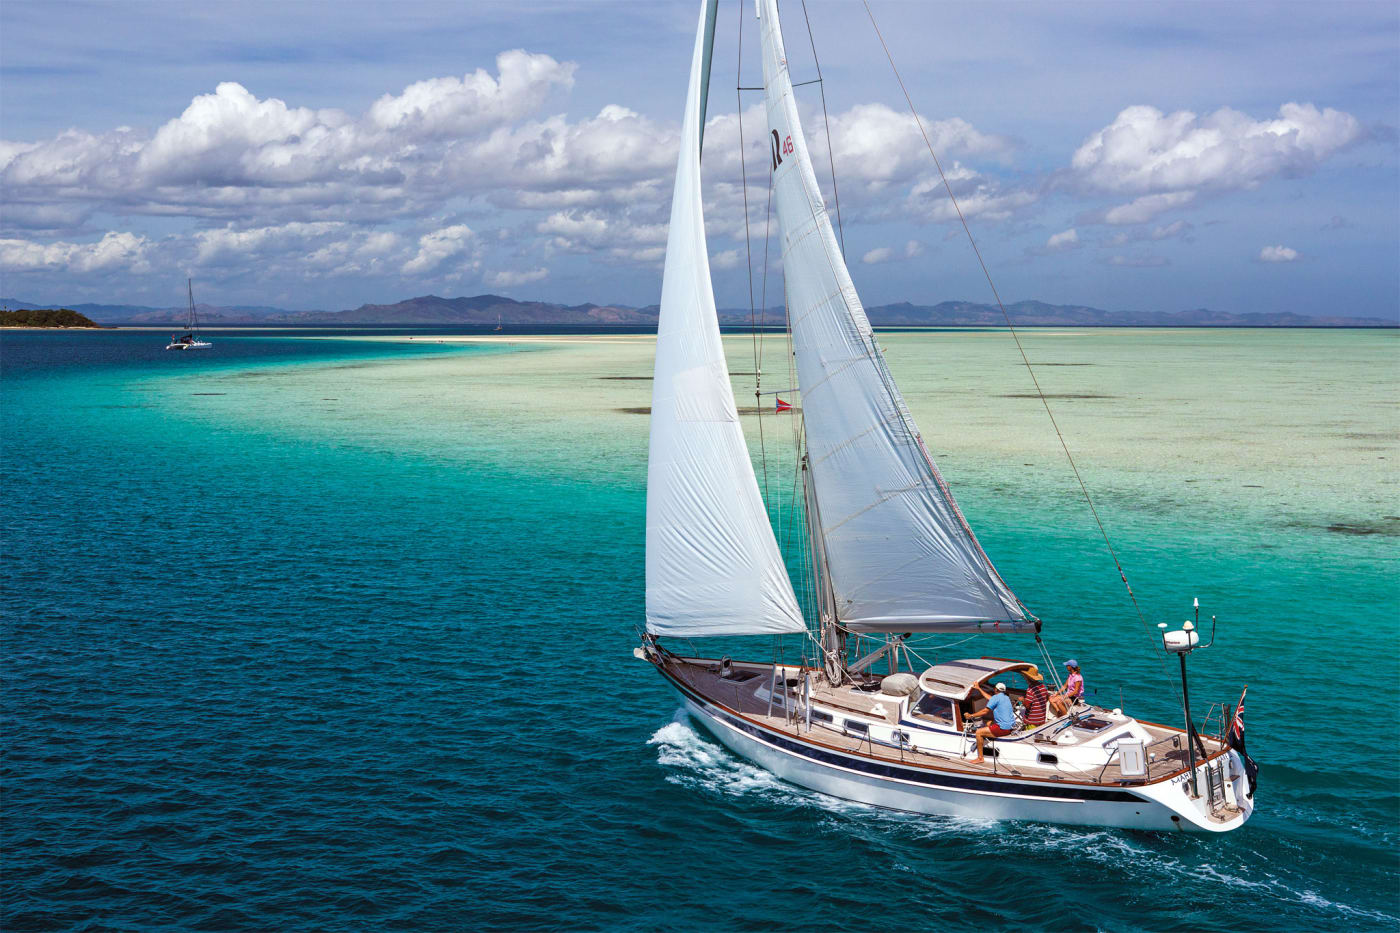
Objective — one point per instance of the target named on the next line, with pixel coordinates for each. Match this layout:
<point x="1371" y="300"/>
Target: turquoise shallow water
<point x="334" y="634"/>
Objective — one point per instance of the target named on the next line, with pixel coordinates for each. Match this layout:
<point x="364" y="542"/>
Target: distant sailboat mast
<point x="190" y="322"/>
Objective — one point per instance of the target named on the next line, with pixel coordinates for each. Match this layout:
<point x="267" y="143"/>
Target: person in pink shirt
<point x="1073" y="692"/>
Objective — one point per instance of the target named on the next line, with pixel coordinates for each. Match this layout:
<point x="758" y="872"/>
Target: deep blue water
<point x="261" y="674"/>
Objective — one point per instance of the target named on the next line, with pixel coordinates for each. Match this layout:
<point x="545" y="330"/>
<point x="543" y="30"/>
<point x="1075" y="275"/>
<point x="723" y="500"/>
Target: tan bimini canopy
<point x="954" y="680"/>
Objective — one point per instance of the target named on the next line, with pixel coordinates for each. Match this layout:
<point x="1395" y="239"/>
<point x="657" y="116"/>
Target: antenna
<point x="1181" y="643"/>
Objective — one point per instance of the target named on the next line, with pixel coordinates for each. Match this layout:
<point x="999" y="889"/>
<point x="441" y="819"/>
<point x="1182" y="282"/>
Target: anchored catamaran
<point x="190" y="339"/>
<point x="890" y="555"/>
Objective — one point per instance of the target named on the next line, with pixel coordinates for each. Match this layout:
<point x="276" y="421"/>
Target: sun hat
<point x="1033" y="673"/>
<point x="1071" y="663"/>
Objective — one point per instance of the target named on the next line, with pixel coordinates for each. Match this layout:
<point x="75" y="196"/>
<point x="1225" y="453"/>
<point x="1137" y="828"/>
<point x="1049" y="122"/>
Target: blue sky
<point x="1240" y="157"/>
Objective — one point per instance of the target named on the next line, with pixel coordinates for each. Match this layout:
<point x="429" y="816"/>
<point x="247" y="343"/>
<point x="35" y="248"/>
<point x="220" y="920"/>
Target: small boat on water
<point x="889" y="558"/>
<point x="190" y="339"/>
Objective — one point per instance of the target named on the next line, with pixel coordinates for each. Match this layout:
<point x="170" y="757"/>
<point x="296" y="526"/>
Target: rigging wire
<point x="786" y="529"/>
<point x="1122" y="575"/>
<point x="826" y="123"/>
<point x="748" y="252"/>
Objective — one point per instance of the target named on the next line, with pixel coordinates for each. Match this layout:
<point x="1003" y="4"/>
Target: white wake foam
<point x="697" y="762"/>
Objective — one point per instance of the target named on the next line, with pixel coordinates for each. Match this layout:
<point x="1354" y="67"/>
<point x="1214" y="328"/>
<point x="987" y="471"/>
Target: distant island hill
<point x="486" y="310"/>
<point x="45" y="317"/>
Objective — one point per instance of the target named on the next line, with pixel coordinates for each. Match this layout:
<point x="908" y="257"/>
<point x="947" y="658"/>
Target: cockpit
<point x="950" y="694"/>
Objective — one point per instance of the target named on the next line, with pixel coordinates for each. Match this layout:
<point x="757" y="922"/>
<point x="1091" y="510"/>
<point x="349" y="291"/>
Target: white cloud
<point x="320" y="182"/>
<point x="434" y="248"/>
<point x="881" y="254"/>
<point x="1278" y="254"/>
<point x="1143" y="209"/>
<point x="977" y="196"/>
<point x="1064" y="240"/>
<point x="621" y="237"/>
<point x="361" y="253"/>
<point x="441" y="107"/>
<point x="727" y="259"/>
<point x="1173" y="229"/>
<point x="231" y="151"/>
<point x="10" y="150"/>
<point x="873" y="143"/>
<point x="231" y="137"/>
<point x="229" y="243"/>
<point x="509" y="279"/>
<point x="1176" y="229"/>
<point x="115" y="251"/>
<point x="1139" y="261"/>
<point x="1168" y="159"/>
<point x="1144" y="150"/>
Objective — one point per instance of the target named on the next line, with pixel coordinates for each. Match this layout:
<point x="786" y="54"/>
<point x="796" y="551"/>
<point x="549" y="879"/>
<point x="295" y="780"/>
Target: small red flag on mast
<point x="782" y="405"/>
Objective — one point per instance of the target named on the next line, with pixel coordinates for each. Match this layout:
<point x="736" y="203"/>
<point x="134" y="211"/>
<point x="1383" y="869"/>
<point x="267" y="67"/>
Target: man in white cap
<point x="1002" y="719"/>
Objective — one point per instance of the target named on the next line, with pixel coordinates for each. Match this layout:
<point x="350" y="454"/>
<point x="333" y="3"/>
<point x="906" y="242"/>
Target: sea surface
<point x="332" y="631"/>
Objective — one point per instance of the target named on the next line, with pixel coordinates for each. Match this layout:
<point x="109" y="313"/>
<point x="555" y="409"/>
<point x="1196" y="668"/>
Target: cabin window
<point x="935" y="708"/>
<point x="819" y="716"/>
<point x="860" y="727"/>
<point x="1046" y="758"/>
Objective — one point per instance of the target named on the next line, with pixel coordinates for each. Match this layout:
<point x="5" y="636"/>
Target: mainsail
<point x="899" y="554"/>
<point x="713" y="566"/>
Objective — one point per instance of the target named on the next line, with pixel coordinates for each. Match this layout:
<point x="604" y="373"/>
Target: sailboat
<point x="190" y="339"/>
<point x="890" y="556"/>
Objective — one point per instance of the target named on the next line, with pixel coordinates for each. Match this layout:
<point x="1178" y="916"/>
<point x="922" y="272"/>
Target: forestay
<point x="899" y="554"/>
<point x="713" y="566"/>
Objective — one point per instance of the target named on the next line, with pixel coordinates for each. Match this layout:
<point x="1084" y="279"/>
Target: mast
<point x="832" y="637"/>
<point x="189" y="323"/>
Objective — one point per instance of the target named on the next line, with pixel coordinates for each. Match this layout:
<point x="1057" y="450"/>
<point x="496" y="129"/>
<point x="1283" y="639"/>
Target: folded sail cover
<point x="899" y="554"/>
<point x="713" y="566"/>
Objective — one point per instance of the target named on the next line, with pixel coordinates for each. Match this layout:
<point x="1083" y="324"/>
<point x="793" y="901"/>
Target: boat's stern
<point x="1221" y="800"/>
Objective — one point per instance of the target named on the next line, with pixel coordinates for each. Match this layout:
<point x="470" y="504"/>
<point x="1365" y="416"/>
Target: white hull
<point x="199" y="345"/>
<point x="1163" y="806"/>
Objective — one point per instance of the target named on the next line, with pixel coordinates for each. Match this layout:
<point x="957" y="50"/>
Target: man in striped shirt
<point x="1036" y="697"/>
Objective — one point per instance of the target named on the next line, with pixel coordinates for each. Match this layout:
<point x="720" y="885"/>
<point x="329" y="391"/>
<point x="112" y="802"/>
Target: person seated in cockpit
<point x="1063" y="701"/>
<point x="1036" y="697"/>
<point x="1002" y="718"/>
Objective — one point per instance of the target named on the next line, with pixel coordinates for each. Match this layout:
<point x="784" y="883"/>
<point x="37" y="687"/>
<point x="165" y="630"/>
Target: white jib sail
<point x="713" y="566"/>
<point x="899" y="554"/>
